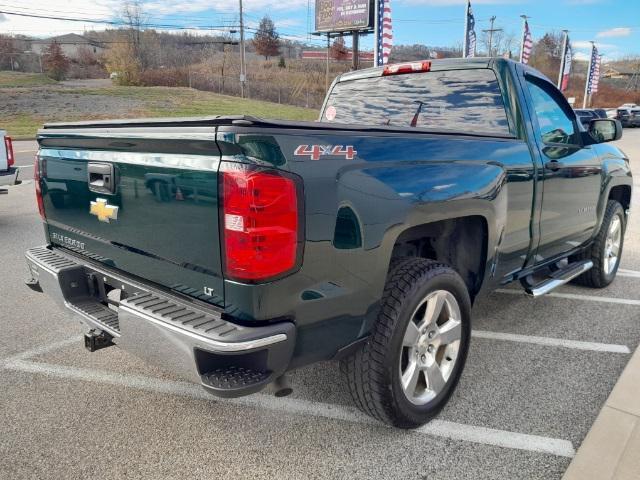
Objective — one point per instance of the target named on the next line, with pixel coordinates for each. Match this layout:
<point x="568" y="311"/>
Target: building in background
<point x="72" y="45"/>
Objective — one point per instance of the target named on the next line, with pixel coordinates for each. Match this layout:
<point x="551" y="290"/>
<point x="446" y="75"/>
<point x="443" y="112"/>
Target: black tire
<point x="597" y="277"/>
<point x="372" y="373"/>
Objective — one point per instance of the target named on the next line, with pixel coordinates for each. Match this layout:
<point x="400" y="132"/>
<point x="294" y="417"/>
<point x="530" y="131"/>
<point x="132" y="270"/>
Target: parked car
<point x="8" y="172"/>
<point x="586" y="115"/>
<point x="611" y="112"/>
<point x="364" y="237"/>
<point x="625" y="117"/>
<point x="600" y="112"/>
<point x="635" y="116"/>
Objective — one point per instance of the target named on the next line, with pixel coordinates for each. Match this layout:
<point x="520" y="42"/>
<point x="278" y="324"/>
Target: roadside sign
<point x="343" y="15"/>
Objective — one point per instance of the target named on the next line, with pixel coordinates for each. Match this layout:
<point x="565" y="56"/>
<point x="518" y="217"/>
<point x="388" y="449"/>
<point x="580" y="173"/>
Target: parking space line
<point x="622" y="272"/>
<point x="40" y="350"/>
<point x="440" y="428"/>
<point x="573" y="296"/>
<point x="552" y="342"/>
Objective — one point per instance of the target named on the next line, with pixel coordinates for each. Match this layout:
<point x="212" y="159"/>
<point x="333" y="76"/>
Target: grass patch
<point x="186" y="102"/>
<point x="19" y="79"/>
<point x="149" y="102"/>
<point x="21" y="127"/>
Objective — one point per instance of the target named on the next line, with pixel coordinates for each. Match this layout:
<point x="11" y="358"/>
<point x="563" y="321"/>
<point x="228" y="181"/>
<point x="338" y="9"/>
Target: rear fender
<point x="416" y="194"/>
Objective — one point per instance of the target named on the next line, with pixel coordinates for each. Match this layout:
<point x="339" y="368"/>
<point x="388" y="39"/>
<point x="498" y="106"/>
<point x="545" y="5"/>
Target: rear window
<point x="468" y="101"/>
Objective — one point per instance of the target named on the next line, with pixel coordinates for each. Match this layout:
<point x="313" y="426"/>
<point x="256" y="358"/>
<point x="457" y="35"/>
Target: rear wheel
<point x="606" y="250"/>
<point x="407" y="371"/>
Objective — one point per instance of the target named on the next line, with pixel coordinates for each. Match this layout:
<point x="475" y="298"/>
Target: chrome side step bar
<point x="557" y="278"/>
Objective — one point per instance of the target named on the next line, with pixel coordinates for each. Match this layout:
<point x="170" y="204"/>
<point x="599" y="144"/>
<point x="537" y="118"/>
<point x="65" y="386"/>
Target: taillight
<point x="8" y="143"/>
<point x="36" y="180"/>
<point x="400" y="68"/>
<point x="260" y="222"/>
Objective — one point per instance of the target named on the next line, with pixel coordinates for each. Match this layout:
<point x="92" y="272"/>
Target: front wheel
<point x="606" y="250"/>
<point x="407" y="371"/>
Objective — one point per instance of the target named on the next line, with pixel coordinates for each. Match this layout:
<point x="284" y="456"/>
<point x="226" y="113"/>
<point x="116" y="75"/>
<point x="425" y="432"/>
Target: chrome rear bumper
<point x="181" y="336"/>
<point x="9" y="177"/>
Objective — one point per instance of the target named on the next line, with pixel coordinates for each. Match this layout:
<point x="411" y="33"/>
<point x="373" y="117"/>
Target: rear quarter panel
<point x="395" y="181"/>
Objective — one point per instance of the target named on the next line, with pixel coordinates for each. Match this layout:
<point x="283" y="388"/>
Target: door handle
<point x="101" y="178"/>
<point x="554" y="165"/>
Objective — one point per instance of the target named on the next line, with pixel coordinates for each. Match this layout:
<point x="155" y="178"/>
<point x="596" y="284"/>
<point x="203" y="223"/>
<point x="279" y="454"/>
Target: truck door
<point x="571" y="171"/>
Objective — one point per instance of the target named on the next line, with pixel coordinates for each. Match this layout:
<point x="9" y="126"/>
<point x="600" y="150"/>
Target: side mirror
<point x="605" y="130"/>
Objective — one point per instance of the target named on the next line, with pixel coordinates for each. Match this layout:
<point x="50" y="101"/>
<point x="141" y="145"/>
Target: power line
<point x="120" y="22"/>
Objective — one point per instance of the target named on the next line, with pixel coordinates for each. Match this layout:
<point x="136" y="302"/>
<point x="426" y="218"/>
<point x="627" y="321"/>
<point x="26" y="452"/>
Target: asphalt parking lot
<point x="536" y="378"/>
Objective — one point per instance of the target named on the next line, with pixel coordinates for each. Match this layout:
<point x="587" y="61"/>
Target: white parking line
<point x="552" y="342"/>
<point x="41" y="350"/>
<point x="628" y="273"/>
<point x="573" y="296"/>
<point x="440" y="428"/>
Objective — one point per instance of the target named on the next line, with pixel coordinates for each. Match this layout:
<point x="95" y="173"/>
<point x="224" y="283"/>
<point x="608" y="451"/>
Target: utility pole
<point x="356" y="51"/>
<point x="490" y="32"/>
<point x="328" y="51"/>
<point x="243" y="66"/>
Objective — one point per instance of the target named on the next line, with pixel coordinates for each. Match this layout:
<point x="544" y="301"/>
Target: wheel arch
<point x="460" y="242"/>
<point x="621" y="194"/>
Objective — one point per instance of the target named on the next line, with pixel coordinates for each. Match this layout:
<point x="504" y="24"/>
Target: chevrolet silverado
<point x="234" y="249"/>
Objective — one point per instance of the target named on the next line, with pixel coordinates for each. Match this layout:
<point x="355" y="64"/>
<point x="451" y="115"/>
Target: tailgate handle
<point x="101" y="178"/>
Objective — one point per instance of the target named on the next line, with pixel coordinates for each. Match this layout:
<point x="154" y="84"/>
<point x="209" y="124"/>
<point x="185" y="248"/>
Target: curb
<point x="611" y="449"/>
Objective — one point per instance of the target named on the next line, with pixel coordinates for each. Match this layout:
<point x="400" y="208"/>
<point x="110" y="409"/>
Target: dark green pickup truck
<point x="234" y="249"/>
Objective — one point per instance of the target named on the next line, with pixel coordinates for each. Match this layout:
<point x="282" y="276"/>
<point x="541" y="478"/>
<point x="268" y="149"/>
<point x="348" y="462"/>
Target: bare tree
<point x="501" y="42"/>
<point x="7" y="50"/>
<point x="338" y="50"/>
<point x="547" y="53"/>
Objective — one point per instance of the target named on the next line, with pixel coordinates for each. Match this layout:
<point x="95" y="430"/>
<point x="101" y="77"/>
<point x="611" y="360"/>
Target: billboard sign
<point x="343" y="15"/>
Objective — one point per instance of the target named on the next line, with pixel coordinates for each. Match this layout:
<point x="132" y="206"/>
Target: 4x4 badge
<point x="105" y="212"/>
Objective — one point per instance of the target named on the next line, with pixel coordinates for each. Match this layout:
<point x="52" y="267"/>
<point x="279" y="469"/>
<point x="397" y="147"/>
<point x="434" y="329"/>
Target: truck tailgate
<point x="141" y="200"/>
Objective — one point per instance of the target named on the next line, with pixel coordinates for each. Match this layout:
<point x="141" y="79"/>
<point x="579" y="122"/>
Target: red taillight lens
<point x="36" y="180"/>
<point x="401" y="68"/>
<point x="260" y="222"/>
<point x="8" y="143"/>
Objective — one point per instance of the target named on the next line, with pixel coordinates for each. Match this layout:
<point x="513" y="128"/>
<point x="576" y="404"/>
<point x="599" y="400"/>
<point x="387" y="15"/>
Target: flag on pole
<point x="566" y="66"/>
<point x="594" y="71"/>
<point x="469" y="49"/>
<point x="384" y="33"/>
<point x="527" y="44"/>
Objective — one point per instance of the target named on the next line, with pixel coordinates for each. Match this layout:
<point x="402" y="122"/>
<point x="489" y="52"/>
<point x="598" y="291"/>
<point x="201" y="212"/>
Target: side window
<point x="554" y="124"/>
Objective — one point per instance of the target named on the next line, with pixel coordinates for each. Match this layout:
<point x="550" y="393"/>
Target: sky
<point x="613" y="24"/>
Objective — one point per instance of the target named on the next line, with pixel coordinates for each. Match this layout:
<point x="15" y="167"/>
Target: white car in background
<point x="8" y="173"/>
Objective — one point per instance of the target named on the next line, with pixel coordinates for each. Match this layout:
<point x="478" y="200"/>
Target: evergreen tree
<point x="55" y="62"/>
<point x="266" y="40"/>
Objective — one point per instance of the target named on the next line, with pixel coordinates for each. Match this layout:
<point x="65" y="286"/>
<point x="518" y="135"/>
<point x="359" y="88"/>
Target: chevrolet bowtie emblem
<point x="105" y="212"/>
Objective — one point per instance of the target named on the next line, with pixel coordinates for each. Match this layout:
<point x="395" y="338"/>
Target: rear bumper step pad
<point x="194" y="342"/>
